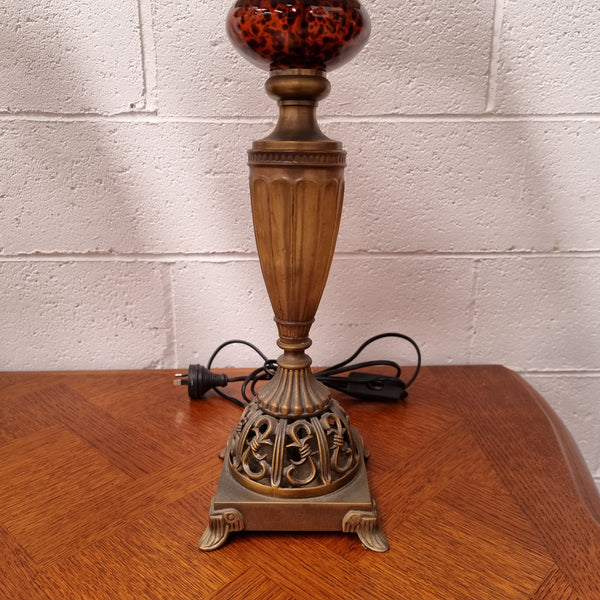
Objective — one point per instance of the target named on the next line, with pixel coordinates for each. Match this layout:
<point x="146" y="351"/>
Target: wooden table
<point x="106" y="480"/>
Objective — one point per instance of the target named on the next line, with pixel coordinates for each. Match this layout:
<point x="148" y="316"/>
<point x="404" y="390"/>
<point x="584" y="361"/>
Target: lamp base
<point x="349" y="509"/>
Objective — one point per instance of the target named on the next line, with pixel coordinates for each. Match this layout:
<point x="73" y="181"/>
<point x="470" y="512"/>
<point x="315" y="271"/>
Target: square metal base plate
<point x="349" y="509"/>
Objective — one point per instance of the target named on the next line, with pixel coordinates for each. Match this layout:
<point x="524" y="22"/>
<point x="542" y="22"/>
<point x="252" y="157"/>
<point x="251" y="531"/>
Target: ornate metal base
<point x="348" y="509"/>
<point x="293" y="462"/>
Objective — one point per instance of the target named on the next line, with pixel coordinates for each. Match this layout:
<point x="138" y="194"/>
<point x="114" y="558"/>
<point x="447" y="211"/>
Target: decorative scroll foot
<point x="220" y="524"/>
<point x="366" y="526"/>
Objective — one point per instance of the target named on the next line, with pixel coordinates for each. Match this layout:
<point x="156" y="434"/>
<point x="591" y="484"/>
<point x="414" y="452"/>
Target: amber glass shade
<point x="298" y="34"/>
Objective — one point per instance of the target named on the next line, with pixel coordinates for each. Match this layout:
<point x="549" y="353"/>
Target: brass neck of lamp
<point x="298" y="92"/>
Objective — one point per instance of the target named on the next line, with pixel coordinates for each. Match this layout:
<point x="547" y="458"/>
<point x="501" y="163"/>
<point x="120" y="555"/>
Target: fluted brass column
<point x="297" y="189"/>
<point x="294" y="462"/>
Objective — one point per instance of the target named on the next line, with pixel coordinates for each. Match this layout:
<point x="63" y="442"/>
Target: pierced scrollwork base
<point x="220" y="524"/>
<point x="366" y="526"/>
<point x="294" y="457"/>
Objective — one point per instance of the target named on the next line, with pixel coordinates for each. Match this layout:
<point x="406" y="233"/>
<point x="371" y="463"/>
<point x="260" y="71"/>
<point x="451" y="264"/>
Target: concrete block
<point x="428" y="299"/>
<point x="70" y="57"/>
<point x="429" y="57"/>
<point x="124" y="187"/>
<point x="548" y="60"/>
<point x="575" y="399"/>
<point x="219" y="301"/>
<point x="538" y="313"/>
<point x="470" y="186"/>
<point x="182" y="187"/>
<point x="82" y="315"/>
<point x="198" y="71"/>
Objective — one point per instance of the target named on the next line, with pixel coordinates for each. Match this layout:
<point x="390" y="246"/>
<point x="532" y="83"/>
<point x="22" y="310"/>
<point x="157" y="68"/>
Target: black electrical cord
<point x="343" y="368"/>
<point x="269" y="367"/>
<point x="358" y="384"/>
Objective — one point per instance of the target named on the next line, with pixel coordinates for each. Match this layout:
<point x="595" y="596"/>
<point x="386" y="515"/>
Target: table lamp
<point x="294" y="462"/>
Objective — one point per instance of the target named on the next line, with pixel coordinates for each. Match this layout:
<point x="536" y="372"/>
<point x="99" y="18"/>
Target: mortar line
<point x="148" y="55"/>
<point x="586" y="373"/>
<point x="463" y="118"/>
<point x="494" y="60"/>
<point x="150" y="117"/>
<point x="137" y="116"/>
<point x="220" y="257"/>
<point x="474" y="306"/>
<point x="169" y="357"/>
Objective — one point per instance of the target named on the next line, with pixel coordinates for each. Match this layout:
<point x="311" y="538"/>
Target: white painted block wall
<point x="472" y="218"/>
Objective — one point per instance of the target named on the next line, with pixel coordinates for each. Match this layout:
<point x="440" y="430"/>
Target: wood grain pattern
<point x="106" y="480"/>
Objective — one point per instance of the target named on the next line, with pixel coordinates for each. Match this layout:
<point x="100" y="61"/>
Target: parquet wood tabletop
<point x="106" y="480"/>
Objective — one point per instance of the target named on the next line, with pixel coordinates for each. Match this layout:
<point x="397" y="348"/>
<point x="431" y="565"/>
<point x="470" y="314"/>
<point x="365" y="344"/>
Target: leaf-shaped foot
<point x="220" y="524"/>
<point x="366" y="526"/>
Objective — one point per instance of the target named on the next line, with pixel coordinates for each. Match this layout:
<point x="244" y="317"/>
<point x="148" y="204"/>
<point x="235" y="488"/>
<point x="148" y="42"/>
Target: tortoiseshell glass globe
<point x="298" y="34"/>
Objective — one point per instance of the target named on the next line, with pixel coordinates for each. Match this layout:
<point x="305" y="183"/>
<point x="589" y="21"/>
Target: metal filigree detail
<point x="220" y="524"/>
<point x="294" y="158"/>
<point x="366" y="526"/>
<point x="293" y="457"/>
